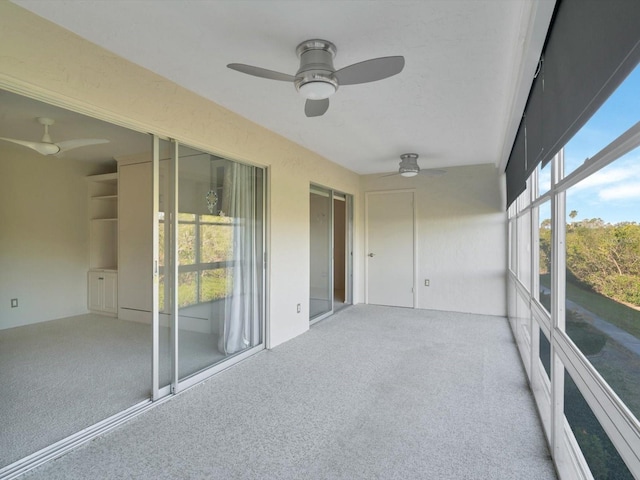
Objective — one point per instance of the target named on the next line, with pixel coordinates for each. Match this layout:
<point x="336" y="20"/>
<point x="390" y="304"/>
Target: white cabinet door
<point x="110" y="292"/>
<point x="103" y="292"/>
<point x="96" y="291"/>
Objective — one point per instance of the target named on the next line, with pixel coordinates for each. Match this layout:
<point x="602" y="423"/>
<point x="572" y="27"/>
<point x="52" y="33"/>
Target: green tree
<point x="605" y="258"/>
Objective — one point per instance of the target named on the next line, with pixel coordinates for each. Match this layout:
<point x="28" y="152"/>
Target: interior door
<point x="390" y="248"/>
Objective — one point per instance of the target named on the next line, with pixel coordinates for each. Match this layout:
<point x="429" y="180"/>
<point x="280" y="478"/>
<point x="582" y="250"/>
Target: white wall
<point x="44" y="236"/>
<point x="461" y="238"/>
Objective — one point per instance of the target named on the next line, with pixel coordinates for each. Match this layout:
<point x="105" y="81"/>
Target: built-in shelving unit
<point x="103" y="221"/>
<point x="102" y="279"/>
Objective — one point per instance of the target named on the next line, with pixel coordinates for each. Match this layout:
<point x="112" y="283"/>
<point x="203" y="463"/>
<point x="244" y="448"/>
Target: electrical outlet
<point x="14" y="302"/>
<point x="299" y="308"/>
<point x="426" y="283"/>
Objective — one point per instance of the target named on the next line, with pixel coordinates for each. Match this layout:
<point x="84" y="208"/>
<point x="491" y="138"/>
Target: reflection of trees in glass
<point x="205" y="246"/>
<point x="215" y="284"/>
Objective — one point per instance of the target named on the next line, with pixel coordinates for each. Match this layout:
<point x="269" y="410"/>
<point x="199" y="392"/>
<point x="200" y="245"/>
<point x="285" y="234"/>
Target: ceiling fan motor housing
<point x="315" y="79"/>
<point x="409" y="164"/>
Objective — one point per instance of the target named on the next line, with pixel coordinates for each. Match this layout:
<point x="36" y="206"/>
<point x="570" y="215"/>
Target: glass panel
<point x="544" y="254"/>
<point x="165" y="283"/>
<point x="603" y="274"/>
<point x="215" y="284"/>
<point x="215" y="240"/>
<point x="320" y="295"/>
<point x="524" y="249"/>
<point x="523" y="331"/>
<point x="601" y="456"/>
<point x="513" y="250"/>
<point x="544" y="178"/>
<point x="615" y="116"/>
<point x="219" y="259"/>
<point x="545" y="353"/>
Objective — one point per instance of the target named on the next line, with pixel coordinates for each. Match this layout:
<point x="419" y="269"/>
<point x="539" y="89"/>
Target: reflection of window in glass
<point x="601" y="456"/>
<point x="205" y="249"/>
<point x="187" y="289"/>
<point x="615" y="116"/>
<point x="545" y="353"/>
<point x="603" y="273"/>
<point x="544" y="254"/>
<point x="216" y="239"/>
<point x="215" y="284"/>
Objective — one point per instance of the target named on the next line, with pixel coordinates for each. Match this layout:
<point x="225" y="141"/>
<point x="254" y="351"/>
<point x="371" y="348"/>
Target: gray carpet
<point x="61" y="376"/>
<point x="370" y="393"/>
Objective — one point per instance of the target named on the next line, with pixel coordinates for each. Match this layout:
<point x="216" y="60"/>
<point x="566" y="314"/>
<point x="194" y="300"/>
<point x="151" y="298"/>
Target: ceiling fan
<point x="317" y="79"/>
<point x="409" y="167"/>
<point x="47" y="147"/>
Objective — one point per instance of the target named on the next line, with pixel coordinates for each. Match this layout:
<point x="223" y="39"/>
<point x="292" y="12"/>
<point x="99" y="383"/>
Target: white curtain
<point x="239" y="328"/>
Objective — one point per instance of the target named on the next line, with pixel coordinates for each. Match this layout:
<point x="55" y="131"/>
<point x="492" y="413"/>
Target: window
<point x="601" y="456"/>
<point x="544" y="255"/>
<point x="591" y="264"/>
<point x="602" y="299"/>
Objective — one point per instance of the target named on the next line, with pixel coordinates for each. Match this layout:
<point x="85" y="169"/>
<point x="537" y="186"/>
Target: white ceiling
<point x="458" y="101"/>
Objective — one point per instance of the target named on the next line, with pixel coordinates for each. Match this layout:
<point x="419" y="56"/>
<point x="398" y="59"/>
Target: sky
<point x="613" y="193"/>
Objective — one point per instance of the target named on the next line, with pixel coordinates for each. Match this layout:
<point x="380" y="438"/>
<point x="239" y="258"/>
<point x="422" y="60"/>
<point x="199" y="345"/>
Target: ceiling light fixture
<point x="316" y="89"/>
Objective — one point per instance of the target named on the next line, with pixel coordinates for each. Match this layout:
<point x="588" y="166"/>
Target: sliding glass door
<point x="210" y="248"/>
<point x="321" y="253"/>
<point x="330" y="251"/>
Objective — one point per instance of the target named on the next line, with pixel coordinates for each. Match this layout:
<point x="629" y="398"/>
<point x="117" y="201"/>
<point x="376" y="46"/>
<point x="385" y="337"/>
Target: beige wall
<point x="44" y="236"/>
<point x="461" y="247"/>
<point x="44" y="61"/>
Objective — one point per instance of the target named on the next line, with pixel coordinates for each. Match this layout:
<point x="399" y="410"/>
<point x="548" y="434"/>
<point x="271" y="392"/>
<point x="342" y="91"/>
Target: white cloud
<point x="624" y="191"/>
<point x="623" y="171"/>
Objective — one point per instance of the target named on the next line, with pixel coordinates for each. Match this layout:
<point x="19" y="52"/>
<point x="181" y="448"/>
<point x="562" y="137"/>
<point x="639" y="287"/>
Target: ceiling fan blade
<point x="41" y="148"/>
<point x="434" y="172"/>
<point x="370" y="70"/>
<point x="316" y="108"/>
<point x="389" y="175"/>
<point x="261" y="72"/>
<point x="83" y="142"/>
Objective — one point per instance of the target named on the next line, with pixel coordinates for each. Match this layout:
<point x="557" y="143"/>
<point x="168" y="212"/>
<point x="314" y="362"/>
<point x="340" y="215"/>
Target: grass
<point x="614" y="312"/>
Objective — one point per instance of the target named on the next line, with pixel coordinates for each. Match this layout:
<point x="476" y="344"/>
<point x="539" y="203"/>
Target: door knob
<point x="372" y="255"/>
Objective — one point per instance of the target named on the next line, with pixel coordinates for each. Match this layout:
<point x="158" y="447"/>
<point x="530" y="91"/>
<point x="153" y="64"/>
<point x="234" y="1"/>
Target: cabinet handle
<point x="100" y="278"/>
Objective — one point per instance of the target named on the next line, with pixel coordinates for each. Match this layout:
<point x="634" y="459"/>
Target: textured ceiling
<point x="458" y="101"/>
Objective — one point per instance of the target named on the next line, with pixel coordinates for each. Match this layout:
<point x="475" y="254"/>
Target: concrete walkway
<point x="614" y="332"/>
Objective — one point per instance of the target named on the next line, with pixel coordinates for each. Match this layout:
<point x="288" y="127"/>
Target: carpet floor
<point x="369" y="393"/>
<point x="65" y="375"/>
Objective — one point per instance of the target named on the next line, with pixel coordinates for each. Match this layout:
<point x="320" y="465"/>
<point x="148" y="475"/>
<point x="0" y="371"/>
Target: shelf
<point x="105" y="177"/>
<point x="103" y="218"/>
<point x="104" y="197"/>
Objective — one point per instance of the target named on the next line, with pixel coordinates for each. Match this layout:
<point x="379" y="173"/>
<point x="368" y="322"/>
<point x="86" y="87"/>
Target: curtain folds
<point x="239" y="328"/>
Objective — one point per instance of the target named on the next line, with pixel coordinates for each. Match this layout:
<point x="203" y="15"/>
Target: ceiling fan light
<point x="409" y="173"/>
<point x="316" y="90"/>
<point x="48" y="149"/>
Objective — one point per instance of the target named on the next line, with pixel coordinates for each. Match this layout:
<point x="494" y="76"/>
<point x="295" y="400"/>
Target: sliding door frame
<point x="348" y="199"/>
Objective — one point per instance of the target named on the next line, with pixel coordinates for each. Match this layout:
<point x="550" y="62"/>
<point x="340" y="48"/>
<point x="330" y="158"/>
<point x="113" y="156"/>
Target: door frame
<point x="367" y="196"/>
<point x="349" y="235"/>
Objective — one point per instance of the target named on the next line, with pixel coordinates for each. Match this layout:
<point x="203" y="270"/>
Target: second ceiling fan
<point x="317" y="79"/>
